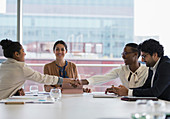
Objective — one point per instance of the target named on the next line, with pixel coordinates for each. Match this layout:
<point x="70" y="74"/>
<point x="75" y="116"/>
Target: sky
<point x="152" y="18"/>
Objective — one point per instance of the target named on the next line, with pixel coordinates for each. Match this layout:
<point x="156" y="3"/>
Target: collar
<point x="63" y="66"/>
<point x="11" y="60"/>
<point x="156" y="65"/>
<point x="137" y="70"/>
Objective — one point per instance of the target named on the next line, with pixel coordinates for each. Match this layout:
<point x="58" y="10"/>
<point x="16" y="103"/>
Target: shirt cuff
<point x="130" y="92"/>
<point x="90" y="81"/>
<point x="60" y="81"/>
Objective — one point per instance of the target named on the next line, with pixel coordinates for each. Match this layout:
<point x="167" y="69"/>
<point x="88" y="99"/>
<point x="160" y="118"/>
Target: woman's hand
<point x="87" y="90"/>
<point x="20" y="92"/>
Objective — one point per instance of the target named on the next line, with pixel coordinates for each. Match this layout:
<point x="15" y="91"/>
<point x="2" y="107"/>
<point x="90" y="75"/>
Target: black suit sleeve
<point x="160" y="85"/>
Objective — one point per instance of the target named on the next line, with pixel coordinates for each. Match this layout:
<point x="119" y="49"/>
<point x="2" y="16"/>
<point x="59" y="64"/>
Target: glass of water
<point x="34" y="89"/>
<point x="55" y="94"/>
<point x="148" y="109"/>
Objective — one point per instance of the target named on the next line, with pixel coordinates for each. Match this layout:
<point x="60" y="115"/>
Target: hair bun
<point x="5" y="43"/>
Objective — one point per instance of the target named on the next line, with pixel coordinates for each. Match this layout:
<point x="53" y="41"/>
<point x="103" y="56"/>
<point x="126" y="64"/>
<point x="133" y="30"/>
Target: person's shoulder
<point x="165" y="60"/>
<point x="71" y="64"/>
<point x="50" y="63"/>
<point x="123" y="67"/>
<point x="21" y="64"/>
<point x="164" y="64"/>
<point x="14" y="62"/>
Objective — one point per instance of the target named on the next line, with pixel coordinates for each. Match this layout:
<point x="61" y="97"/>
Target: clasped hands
<point x="77" y="82"/>
<point x="120" y="90"/>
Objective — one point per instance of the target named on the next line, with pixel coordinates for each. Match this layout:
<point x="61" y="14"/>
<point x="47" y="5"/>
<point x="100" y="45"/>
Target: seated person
<point x="60" y="67"/>
<point x="132" y="74"/>
<point x="14" y="72"/>
<point x="158" y="81"/>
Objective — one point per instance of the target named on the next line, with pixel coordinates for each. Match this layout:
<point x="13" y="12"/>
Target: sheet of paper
<point x="103" y="95"/>
<point x="28" y="99"/>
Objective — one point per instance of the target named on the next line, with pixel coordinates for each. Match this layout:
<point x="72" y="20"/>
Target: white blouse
<point x="13" y="75"/>
<point x="128" y="78"/>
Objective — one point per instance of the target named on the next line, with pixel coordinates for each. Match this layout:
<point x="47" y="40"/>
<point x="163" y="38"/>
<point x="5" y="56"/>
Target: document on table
<point x="103" y="95"/>
<point x="39" y="94"/>
<point x="27" y="99"/>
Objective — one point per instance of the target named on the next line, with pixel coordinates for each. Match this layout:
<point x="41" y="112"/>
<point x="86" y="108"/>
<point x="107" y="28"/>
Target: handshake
<point x="76" y="82"/>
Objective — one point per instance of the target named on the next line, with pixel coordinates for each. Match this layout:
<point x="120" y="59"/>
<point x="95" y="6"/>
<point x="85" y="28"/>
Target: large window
<point x="94" y="30"/>
<point x="8" y="21"/>
<point x="81" y="23"/>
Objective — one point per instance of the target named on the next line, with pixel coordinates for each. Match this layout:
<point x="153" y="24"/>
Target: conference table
<point x="73" y="106"/>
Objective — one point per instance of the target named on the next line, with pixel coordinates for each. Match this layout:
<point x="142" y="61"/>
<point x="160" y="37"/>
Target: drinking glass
<point x="148" y="109"/>
<point x="157" y="109"/>
<point x="55" y="94"/>
<point x="34" y="89"/>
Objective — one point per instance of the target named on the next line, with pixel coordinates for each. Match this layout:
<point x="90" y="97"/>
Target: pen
<point x="14" y="103"/>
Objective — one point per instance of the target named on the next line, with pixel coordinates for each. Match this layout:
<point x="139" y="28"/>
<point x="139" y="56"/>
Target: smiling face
<point x="60" y="51"/>
<point x="129" y="56"/>
<point x="20" y="56"/>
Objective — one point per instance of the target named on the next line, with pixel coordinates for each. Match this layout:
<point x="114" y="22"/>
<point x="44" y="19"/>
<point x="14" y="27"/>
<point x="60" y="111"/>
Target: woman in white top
<point x="14" y="72"/>
<point x="132" y="74"/>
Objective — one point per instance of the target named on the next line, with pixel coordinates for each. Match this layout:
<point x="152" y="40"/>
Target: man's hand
<point x="111" y="90"/>
<point x="121" y="90"/>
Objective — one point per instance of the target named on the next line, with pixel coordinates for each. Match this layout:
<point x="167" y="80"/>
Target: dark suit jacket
<point x="161" y="83"/>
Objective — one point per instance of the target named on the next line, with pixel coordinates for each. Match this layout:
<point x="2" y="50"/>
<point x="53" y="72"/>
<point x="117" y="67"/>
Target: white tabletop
<point x="75" y="106"/>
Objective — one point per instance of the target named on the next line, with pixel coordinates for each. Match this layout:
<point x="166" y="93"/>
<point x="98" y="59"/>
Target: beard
<point x="150" y="64"/>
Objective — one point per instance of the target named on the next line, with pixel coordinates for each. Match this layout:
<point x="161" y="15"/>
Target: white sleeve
<point x="30" y="74"/>
<point x="98" y="79"/>
<point x="130" y="92"/>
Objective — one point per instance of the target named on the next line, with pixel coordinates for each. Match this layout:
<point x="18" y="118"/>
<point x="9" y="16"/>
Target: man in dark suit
<point x="158" y="81"/>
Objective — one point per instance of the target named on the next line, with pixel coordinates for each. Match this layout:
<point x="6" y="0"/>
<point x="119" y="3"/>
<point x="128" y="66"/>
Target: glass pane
<point x="8" y="21"/>
<point x="85" y="25"/>
<point x="92" y="29"/>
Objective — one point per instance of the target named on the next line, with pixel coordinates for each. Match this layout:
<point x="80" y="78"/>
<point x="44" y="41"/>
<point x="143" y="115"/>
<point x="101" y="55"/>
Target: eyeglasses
<point x="126" y="53"/>
<point x="144" y="56"/>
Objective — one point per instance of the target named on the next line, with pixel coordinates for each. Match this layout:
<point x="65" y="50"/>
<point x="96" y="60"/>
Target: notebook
<point x="68" y="89"/>
<point x="103" y="95"/>
<point x="130" y="98"/>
